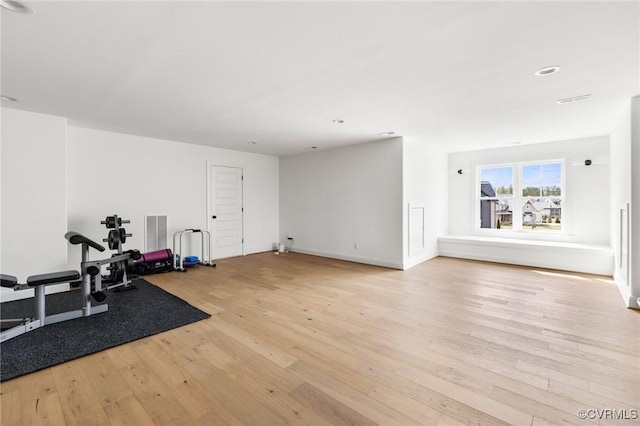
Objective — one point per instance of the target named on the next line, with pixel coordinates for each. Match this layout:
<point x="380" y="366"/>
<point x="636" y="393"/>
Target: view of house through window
<point x="542" y="191"/>
<point x="521" y="196"/>
<point x="496" y="197"/>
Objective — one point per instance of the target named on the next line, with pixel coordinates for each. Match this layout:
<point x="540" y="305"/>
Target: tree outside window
<point x="496" y="197"/>
<point x="534" y="190"/>
<point x="542" y="196"/>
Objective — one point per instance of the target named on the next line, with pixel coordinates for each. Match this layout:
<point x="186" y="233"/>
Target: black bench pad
<point x="8" y="280"/>
<point x="53" y="278"/>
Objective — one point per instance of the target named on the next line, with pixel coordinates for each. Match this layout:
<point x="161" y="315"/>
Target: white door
<point x="226" y="212"/>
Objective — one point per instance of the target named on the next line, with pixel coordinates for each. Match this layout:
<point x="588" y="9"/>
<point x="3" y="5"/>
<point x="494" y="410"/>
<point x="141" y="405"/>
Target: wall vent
<point x="155" y="233"/>
<point x="573" y="99"/>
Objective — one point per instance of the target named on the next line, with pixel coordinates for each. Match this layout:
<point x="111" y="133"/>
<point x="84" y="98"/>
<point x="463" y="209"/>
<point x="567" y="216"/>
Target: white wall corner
<point x="345" y="203"/>
<point x="424" y="200"/>
<point x="634" y="267"/>
<point x="415" y="261"/>
<point x="350" y="258"/>
<point x="630" y="301"/>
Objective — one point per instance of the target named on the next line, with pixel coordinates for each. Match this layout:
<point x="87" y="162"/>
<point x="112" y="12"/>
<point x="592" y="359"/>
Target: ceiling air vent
<point x="573" y="99"/>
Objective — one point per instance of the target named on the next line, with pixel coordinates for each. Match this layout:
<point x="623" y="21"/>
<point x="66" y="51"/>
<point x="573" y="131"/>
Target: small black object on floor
<point x="132" y="315"/>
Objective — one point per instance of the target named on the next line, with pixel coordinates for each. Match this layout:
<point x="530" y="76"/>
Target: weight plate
<point x="117" y="271"/>
<point x="113" y="239"/>
<point x="110" y="222"/>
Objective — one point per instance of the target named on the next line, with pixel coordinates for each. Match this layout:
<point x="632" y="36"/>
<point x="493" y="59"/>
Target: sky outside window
<point x="542" y="180"/>
<point x="500" y="178"/>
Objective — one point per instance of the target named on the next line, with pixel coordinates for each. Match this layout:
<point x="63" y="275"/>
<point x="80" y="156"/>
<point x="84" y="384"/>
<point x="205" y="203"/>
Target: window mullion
<point x="517" y="198"/>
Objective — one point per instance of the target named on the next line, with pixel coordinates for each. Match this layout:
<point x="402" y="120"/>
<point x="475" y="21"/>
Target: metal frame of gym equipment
<point x="177" y="253"/>
<point x="92" y="269"/>
<point x="89" y="269"/>
<point x="20" y="326"/>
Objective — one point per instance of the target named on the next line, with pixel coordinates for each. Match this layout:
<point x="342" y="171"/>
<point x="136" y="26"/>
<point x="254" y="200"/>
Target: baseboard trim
<point x="633" y="303"/>
<point x="350" y="258"/>
<point x="629" y="300"/>
<point x="410" y="263"/>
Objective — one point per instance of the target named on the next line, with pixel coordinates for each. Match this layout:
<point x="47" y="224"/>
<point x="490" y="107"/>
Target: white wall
<point x="635" y="202"/>
<point x="620" y="149"/>
<point x="33" y="213"/>
<point x="586" y="209"/>
<point x="57" y="178"/>
<point x="332" y="199"/>
<point x="425" y="194"/>
<point x="625" y="190"/>
<point x="132" y="176"/>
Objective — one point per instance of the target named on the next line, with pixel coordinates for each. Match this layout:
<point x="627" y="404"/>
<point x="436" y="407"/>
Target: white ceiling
<point x="455" y="74"/>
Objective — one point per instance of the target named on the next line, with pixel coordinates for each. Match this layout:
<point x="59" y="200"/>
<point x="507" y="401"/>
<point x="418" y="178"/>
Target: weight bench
<point x="13" y="327"/>
<point x="88" y="277"/>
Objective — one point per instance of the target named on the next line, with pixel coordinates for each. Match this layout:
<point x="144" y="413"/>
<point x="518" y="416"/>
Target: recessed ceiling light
<point x="514" y="143"/>
<point x="547" y="70"/>
<point x="573" y="99"/>
<point x="8" y="98"/>
<point x="386" y="133"/>
<point x="252" y="143"/>
<point x="338" y="121"/>
<point x="15" y="6"/>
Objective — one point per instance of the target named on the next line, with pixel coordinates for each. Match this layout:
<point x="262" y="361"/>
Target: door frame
<point x="211" y="164"/>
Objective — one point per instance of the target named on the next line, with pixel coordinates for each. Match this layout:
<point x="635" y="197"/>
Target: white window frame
<point x="518" y="199"/>
<point x="478" y="194"/>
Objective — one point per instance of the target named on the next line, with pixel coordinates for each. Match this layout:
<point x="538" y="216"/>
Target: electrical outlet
<point x="356" y="245"/>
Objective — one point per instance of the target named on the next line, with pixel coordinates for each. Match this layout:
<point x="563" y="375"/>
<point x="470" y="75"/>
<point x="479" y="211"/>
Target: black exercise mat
<point x="132" y="315"/>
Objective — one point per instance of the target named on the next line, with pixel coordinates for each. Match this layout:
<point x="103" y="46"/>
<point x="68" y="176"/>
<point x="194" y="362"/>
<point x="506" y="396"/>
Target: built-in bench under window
<point x="587" y="258"/>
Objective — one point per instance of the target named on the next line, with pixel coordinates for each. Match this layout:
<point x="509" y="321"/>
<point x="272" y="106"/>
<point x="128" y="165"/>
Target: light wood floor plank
<point x="10" y="403"/>
<point x="297" y="339"/>
<point x="146" y="383"/>
<point x="127" y="411"/>
<point x="80" y="404"/>
<point x="105" y="379"/>
<point x="327" y="407"/>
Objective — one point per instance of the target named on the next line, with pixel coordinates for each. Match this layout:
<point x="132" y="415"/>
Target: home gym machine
<point x="89" y="279"/>
<point x="179" y="262"/>
<point x="90" y="270"/>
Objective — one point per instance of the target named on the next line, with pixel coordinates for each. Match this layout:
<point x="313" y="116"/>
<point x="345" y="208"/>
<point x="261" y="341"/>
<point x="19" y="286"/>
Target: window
<point x="521" y="196"/>
<point x="496" y="197"/>
<point x="541" y="194"/>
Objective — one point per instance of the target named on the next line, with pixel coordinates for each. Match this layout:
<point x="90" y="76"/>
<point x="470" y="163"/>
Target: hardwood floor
<point x="296" y="339"/>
